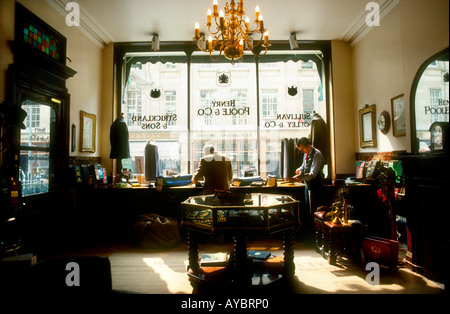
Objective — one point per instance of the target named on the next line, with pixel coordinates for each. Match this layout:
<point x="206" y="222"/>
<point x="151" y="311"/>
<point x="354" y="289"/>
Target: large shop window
<point x="224" y="112"/>
<point x="155" y="109"/>
<point x="244" y="109"/>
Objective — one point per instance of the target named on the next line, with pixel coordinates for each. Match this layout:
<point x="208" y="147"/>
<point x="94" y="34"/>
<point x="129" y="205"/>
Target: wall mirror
<point x="429" y="100"/>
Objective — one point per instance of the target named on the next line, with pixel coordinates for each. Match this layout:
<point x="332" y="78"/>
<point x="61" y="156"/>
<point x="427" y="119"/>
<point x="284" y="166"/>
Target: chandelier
<point x="231" y="34"/>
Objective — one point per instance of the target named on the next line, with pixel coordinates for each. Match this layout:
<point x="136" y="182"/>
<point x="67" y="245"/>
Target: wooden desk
<point x="108" y="213"/>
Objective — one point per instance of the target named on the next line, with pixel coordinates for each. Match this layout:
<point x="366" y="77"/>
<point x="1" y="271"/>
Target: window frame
<point x="59" y="146"/>
<point x="188" y="47"/>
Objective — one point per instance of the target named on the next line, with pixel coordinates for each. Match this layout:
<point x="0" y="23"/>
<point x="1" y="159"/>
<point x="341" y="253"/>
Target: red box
<point x="381" y="251"/>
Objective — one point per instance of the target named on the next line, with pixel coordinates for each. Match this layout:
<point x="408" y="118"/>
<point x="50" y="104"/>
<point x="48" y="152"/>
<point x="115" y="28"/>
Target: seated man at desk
<point x="216" y="169"/>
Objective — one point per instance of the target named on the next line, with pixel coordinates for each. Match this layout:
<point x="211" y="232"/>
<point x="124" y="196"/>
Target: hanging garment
<point x="118" y="136"/>
<point x="320" y="137"/>
<point x="152" y="168"/>
<point x="291" y="158"/>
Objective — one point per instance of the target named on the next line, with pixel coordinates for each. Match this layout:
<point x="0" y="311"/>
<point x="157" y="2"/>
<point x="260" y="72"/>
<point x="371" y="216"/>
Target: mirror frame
<point x="420" y="71"/>
<point x="87" y="126"/>
<point x="373" y="129"/>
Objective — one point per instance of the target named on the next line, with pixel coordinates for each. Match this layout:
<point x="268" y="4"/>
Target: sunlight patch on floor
<point x="177" y="282"/>
<point x="316" y="272"/>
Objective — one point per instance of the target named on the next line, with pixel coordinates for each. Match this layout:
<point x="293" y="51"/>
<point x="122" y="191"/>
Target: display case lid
<point x="244" y="200"/>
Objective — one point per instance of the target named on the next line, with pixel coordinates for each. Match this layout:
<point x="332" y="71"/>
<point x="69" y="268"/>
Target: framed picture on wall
<point x="87" y="132"/>
<point x="367" y="127"/>
<point x="398" y="115"/>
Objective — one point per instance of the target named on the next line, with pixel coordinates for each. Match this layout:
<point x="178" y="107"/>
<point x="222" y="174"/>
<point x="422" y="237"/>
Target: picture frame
<point x="367" y="127"/>
<point x="87" y="132"/>
<point x="398" y="115"/>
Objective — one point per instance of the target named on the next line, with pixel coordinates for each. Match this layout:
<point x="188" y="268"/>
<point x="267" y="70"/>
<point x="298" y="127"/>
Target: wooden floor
<point x="163" y="271"/>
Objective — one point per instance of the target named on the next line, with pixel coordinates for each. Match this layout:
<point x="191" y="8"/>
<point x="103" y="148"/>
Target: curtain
<point x="291" y="157"/>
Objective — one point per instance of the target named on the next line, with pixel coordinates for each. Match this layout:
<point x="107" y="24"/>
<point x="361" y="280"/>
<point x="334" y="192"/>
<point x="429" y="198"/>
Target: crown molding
<point x="359" y="29"/>
<point x="88" y="25"/>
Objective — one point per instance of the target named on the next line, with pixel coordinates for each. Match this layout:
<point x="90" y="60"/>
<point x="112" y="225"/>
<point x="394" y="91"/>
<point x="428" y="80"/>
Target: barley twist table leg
<point x="192" y="243"/>
<point x="288" y="251"/>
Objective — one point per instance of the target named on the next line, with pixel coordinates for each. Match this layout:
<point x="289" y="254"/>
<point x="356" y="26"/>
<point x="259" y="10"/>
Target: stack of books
<point x="267" y="263"/>
<point x="214" y="265"/>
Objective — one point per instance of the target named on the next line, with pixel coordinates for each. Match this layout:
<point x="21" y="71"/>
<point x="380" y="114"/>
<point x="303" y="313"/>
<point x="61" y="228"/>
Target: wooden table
<point x="333" y="239"/>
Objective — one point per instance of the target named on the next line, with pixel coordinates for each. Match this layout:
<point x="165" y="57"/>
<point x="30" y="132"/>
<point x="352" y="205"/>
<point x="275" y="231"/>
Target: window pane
<point x="39" y="121"/>
<point x="34" y="173"/>
<point x="224" y="113"/>
<point x="36" y="146"/>
<point x="290" y="93"/>
<point x="435" y="96"/>
<point x="223" y="108"/>
<point x="156" y="109"/>
<point x="431" y="101"/>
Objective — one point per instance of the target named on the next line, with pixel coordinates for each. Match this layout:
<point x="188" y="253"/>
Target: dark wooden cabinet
<point x="426" y="196"/>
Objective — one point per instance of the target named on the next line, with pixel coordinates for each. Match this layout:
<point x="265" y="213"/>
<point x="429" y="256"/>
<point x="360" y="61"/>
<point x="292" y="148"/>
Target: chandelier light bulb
<point x="221" y="19"/>
<point x="209" y="16"/>
<point x="266" y="38"/>
<point x="215" y="7"/>
<point x="197" y="30"/>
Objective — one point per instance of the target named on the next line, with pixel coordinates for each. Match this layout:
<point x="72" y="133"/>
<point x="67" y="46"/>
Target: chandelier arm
<point x="242" y="29"/>
<point x="216" y="18"/>
<point x="249" y="44"/>
<point x="215" y="59"/>
<point x="213" y="33"/>
<point x="265" y="51"/>
<point x="216" y="41"/>
<point x="257" y="30"/>
<point x="260" y="40"/>
<point x="198" y="46"/>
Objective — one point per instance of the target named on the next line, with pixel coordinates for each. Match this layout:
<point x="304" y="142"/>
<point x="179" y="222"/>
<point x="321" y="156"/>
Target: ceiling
<point x="107" y="21"/>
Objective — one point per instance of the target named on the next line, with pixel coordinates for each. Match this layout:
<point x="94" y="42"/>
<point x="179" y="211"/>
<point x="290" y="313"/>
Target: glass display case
<point x="239" y="215"/>
<point x="256" y="211"/>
